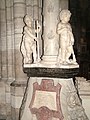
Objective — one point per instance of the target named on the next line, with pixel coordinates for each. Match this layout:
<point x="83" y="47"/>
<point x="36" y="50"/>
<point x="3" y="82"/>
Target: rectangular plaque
<point x="45" y="98"/>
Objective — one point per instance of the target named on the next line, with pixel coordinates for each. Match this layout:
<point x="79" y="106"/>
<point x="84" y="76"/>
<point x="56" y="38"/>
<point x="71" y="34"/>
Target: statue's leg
<point x="34" y="53"/>
<point x="59" y="55"/>
<point x="63" y="52"/>
<point x="28" y="58"/>
<point x="68" y="53"/>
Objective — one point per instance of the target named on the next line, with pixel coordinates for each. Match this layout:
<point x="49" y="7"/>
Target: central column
<point x="50" y="37"/>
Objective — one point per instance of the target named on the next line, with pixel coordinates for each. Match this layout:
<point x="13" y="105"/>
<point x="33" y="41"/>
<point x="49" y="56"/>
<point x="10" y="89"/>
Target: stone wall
<point x="11" y="28"/>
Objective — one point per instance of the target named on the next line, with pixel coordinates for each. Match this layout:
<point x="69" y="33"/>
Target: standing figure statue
<point x="66" y="39"/>
<point x="28" y="44"/>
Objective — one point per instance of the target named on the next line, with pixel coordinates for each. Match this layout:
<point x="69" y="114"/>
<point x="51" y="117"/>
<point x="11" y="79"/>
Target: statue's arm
<point x="29" y="33"/>
<point x="60" y="29"/>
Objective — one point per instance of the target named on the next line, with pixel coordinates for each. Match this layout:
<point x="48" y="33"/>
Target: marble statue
<point x="66" y="40"/>
<point x="29" y="39"/>
<point x="59" y="53"/>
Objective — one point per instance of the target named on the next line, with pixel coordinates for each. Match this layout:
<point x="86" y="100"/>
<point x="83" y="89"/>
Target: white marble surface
<point x="29" y="41"/>
<point x="66" y="39"/>
<point x="67" y="66"/>
<point x="58" y="44"/>
<point x="70" y="103"/>
<point x="40" y="99"/>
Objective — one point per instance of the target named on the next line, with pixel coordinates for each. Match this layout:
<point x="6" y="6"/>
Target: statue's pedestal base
<point x="71" y="107"/>
<point x="51" y="98"/>
<point x="50" y="65"/>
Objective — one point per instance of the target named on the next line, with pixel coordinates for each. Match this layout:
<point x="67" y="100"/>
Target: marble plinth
<point x="41" y="96"/>
<point x="34" y="101"/>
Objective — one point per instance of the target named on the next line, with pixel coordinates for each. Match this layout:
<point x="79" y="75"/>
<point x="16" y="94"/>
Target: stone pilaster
<point x="12" y="37"/>
<point x="19" y="12"/>
<point x="9" y="39"/>
<point x="17" y="93"/>
<point x="3" y="57"/>
<point x="35" y="9"/>
<point x="3" y="41"/>
<point x="9" y="59"/>
<point x="2" y="101"/>
<point x="51" y="39"/>
<point x="29" y="7"/>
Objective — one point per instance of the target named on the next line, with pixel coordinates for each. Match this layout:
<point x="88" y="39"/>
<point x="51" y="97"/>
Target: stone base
<point x="69" y="101"/>
<point x="17" y="92"/>
<point x="8" y="99"/>
<point x="2" y="100"/>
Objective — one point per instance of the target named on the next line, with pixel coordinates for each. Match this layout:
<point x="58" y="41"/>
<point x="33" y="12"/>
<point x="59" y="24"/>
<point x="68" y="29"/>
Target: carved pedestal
<point x="51" y="95"/>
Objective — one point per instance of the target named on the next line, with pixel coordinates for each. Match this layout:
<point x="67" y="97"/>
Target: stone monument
<point x="50" y="93"/>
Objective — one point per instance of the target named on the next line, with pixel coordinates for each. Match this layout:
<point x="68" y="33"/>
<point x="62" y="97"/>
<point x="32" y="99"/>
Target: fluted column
<point x="3" y="57"/>
<point x="19" y="13"/>
<point x="3" y="41"/>
<point x="17" y="87"/>
<point x="51" y="39"/>
<point x="29" y="7"/>
<point x="35" y="9"/>
<point x="12" y="37"/>
<point x="9" y="40"/>
<point x="10" y="77"/>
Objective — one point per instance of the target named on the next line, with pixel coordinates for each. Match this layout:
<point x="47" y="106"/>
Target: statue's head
<point x="28" y="20"/>
<point x="65" y="14"/>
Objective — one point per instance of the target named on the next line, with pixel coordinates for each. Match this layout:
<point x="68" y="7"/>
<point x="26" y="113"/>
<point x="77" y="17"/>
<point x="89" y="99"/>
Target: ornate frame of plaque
<point x="45" y="102"/>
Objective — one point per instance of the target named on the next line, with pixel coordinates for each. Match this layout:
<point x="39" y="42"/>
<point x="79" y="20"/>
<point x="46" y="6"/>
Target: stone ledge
<point x="18" y="83"/>
<point x="18" y="88"/>
<point x="51" y="72"/>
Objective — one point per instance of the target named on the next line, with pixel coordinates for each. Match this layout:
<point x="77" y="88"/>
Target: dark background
<point x="80" y="21"/>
